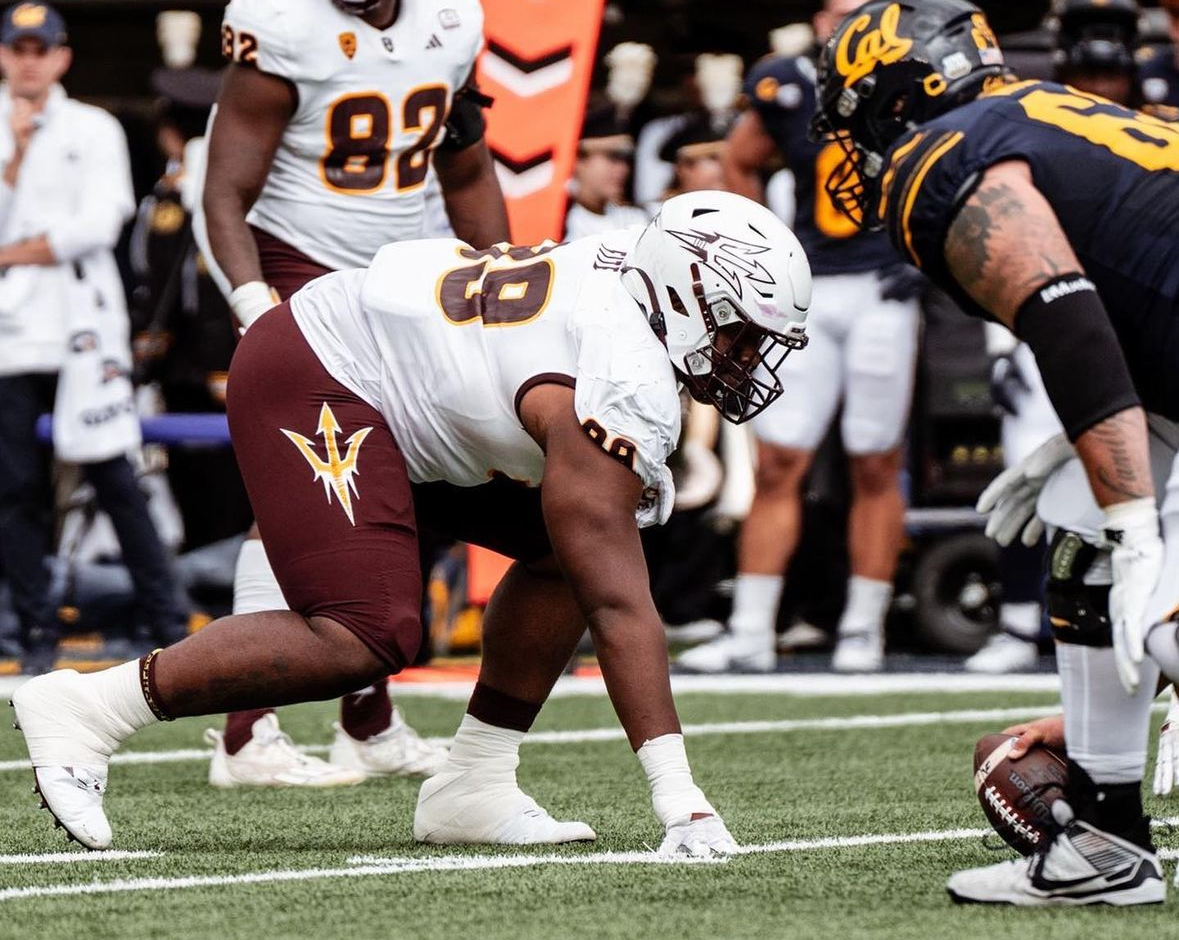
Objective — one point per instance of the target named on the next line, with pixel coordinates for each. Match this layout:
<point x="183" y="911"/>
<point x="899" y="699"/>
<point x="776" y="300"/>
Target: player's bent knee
<point x="780" y="469"/>
<point x="1078" y="612"/>
<point x="354" y="654"/>
<point x="876" y="474"/>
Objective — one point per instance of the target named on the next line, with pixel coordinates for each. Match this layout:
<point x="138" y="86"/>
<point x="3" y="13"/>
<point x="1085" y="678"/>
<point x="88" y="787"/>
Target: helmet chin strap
<point x="655" y="317"/>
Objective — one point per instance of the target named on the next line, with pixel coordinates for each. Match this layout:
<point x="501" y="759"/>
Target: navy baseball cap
<point x="32" y="21"/>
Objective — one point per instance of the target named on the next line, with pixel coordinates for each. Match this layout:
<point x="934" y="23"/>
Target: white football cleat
<point x="269" y="759"/>
<point x="695" y="631"/>
<point x="803" y="636"/>
<point x="859" y="652"/>
<point x="1004" y="653"/>
<point x="396" y="751"/>
<point x="476" y="805"/>
<point x="70" y="737"/>
<point x="1081" y="865"/>
<point x="731" y="653"/>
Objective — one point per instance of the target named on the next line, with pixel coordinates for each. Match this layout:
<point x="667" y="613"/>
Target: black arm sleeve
<point x="465" y="124"/>
<point x="1068" y="330"/>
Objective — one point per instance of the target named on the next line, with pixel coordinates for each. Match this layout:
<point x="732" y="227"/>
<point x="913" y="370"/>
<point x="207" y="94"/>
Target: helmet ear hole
<point x="676" y="303"/>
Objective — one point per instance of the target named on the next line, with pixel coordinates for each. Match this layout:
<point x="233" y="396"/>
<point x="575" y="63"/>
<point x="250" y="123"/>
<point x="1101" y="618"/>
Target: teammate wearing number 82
<point x="1057" y="214"/>
<point x="331" y="115"/>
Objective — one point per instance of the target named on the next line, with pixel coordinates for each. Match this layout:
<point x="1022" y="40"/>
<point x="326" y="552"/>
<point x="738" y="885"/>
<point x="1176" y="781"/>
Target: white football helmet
<point x="726" y="287"/>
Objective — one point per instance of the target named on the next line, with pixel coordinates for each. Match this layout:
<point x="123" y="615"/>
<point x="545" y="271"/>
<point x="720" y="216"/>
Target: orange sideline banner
<point x="537" y="66"/>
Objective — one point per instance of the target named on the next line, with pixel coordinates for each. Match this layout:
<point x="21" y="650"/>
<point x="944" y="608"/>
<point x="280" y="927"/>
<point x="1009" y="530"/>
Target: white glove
<point x="691" y="825"/>
<point x="1009" y="503"/>
<point x="1168" y="756"/>
<point x="698" y="838"/>
<point x="250" y="300"/>
<point x="1131" y="532"/>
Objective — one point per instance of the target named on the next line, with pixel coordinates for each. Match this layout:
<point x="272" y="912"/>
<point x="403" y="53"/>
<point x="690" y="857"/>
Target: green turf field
<point x="290" y="866"/>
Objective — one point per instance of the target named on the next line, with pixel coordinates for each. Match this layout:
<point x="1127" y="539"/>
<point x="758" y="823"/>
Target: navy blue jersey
<point x="1158" y="77"/>
<point x="782" y="91"/>
<point x="1110" y="174"/>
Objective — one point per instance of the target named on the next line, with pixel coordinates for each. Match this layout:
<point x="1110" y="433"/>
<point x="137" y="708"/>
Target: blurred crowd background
<point x="668" y="86"/>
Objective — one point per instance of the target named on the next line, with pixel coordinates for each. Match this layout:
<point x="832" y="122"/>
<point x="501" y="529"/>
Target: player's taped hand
<point x="250" y="300"/>
<point x="1131" y="532"/>
<point x="698" y="838"/>
<point x="1009" y="503"/>
<point x="1168" y="756"/>
<point x="691" y="826"/>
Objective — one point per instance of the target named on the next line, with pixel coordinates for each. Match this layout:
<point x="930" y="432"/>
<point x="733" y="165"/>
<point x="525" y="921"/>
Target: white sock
<point x="1106" y="730"/>
<point x="255" y="588"/>
<point x="478" y="743"/>
<point x="121" y="703"/>
<point x="867" y="603"/>
<point x="755" y="604"/>
<point x="79" y="720"/>
<point x="1021" y="619"/>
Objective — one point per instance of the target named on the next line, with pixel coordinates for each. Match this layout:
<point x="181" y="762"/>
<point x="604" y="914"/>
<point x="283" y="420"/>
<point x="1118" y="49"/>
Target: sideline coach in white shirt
<point x="65" y="192"/>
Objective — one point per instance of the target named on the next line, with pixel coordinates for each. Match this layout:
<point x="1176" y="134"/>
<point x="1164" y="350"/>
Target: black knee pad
<point x="1078" y="612"/>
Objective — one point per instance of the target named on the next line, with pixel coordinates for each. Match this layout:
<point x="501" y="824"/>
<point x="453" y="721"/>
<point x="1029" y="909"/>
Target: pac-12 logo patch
<point x="337" y="473"/>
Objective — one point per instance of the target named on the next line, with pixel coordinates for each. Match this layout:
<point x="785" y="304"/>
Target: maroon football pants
<point x="329" y="488"/>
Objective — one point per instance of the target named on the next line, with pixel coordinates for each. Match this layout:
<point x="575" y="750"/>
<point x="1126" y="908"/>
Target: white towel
<point x="94" y="417"/>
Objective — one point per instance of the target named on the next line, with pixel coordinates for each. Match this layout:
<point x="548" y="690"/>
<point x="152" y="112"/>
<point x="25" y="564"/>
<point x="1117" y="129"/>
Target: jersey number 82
<point x="359" y="128"/>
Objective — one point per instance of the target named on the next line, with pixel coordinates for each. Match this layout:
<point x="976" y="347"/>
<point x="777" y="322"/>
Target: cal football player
<point x="1094" y="53"/>
<point x="863" y="330"/>
<point x="442" y="365"/>
<point x="1158" y="69"/>
<point x="1056" y="213"/>
<point x="329" y="122"/>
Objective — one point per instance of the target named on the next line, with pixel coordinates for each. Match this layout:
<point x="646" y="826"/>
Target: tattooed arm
<point x="1005" y="244"/>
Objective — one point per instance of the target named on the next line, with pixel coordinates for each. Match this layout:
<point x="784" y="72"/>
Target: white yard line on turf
<point x="497" y="860"/>
<point x="109" y="855"/>
<point x="366" y="865"/>
<point x="776" y="684"/>
<point x="846" y="723"/>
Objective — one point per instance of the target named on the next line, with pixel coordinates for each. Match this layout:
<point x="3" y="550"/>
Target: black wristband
<point x="1085" y="373"/>
<point x="465" y="125"/>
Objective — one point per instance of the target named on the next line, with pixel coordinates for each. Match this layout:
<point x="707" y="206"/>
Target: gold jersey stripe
<point x="936" y="153"/>
<point x="899" y="156"/>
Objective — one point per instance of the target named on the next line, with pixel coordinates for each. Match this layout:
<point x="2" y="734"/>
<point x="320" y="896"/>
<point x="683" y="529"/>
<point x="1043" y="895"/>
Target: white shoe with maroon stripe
<point x="269" y="759"/>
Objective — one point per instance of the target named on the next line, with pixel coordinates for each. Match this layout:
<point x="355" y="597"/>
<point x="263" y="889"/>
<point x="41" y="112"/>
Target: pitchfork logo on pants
<point x="336" y="472"/>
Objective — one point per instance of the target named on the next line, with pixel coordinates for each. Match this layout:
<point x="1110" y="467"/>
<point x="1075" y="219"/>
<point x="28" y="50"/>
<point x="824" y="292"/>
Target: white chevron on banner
<point x="525" y="183"/>
<point x="525" y="84"/>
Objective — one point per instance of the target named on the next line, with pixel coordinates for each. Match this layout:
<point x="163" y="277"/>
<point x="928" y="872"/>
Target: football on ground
<point x="1017" y="795"/>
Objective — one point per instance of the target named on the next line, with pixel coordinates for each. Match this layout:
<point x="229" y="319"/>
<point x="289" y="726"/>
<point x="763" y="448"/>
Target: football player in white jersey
<point x="481" y="373"/>
<point x="330" y="118"/>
